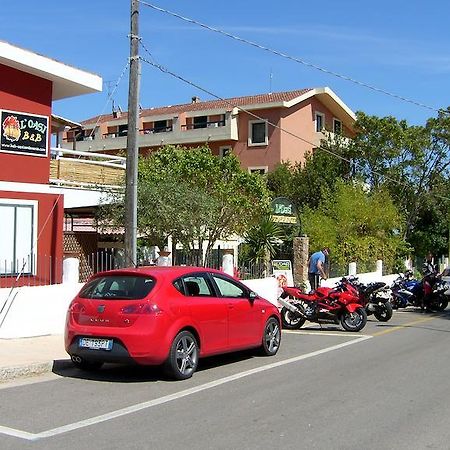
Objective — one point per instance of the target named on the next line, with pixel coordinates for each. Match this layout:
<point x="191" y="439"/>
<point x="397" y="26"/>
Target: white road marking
<point x="168" y="398"/>
<point x="319" y="332"/>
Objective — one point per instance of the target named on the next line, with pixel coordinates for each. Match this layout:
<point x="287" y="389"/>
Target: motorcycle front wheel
<point x="383" y="312"/>
<point x="290" y="320"/>
<point x="354" y="321"/>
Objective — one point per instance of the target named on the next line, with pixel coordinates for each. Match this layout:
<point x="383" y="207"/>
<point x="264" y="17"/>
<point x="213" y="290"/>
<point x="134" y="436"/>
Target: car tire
<point x="183" y="356"/>
<point x="271" y="337"/>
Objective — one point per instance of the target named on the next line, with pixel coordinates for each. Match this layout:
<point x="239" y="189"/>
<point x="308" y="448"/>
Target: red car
<point x="167" y="315"/>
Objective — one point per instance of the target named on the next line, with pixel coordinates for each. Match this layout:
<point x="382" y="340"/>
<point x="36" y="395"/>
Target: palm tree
<point x="262" y="241"/>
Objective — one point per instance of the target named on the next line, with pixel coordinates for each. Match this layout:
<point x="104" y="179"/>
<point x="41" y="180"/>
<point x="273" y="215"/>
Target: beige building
<point x="261" y="130"/>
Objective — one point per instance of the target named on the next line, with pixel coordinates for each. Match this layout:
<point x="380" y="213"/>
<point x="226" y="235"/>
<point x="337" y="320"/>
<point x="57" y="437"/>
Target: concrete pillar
<point x="228" y="263"/>
<point x="300" y="263"/>
<point x="379" y="266"/>
<point x="352" y="268"/>
<point x="71" y="270"/>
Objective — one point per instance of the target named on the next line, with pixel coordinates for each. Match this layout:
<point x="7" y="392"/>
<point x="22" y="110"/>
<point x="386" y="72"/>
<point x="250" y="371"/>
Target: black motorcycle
<point x="373" y="296"/>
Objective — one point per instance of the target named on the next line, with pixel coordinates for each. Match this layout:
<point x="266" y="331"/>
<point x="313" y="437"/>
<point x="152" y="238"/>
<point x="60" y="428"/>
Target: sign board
<point x="282" y="271"/>
<point x="283" y="210"/>
<point x="23" y="134"/>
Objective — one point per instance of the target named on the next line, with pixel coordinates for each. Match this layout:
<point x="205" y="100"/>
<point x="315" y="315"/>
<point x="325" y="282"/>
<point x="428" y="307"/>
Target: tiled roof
<point x="228" y="104"/>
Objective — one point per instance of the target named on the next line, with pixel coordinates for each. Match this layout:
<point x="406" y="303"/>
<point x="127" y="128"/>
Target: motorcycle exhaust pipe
<point x="290" y="307"/>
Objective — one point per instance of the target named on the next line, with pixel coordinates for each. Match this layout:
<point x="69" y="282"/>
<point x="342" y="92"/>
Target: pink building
<point x="261" y="130"/>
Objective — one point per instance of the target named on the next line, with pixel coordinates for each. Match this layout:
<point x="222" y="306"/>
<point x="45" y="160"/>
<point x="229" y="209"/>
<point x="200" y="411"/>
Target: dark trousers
<point x="313" y="279"/>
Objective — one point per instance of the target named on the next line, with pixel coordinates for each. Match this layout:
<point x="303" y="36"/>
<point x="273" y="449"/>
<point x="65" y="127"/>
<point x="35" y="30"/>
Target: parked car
<point x="168" y="316"/>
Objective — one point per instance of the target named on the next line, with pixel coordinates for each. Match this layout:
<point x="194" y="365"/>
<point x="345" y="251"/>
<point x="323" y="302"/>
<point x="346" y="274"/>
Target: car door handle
<point x="230" y="305"/>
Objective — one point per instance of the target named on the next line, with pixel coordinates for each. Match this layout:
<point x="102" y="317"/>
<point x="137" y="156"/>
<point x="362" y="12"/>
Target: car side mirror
<point x="252" y="296"/>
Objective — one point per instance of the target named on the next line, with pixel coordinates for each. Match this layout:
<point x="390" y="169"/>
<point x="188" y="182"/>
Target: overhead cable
<point x="292" y="58"/>
<point x="184" y="80"/>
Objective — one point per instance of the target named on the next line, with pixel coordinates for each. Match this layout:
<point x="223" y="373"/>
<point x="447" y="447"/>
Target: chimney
<point x="195" y="99"/>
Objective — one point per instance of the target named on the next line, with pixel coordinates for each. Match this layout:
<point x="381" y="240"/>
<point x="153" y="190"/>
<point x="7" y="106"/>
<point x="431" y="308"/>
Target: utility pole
<point x="132" y="140"/>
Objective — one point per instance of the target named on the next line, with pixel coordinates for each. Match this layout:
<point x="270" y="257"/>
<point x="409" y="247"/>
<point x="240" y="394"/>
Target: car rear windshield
<point x="112" y="287"/>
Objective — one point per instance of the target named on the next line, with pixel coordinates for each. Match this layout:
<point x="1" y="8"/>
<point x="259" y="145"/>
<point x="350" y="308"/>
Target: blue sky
<point x="399" y="46"/>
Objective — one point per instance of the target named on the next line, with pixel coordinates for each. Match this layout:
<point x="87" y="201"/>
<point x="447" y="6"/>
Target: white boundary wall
<point x="35" y="311"/>
<point x="41" y="310"/>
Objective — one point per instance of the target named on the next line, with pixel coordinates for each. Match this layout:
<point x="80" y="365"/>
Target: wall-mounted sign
<point x="25" y="134"/>
<point x="283" y="210"/>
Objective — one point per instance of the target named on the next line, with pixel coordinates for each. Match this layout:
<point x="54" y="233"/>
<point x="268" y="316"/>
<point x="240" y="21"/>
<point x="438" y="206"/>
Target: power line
<point x="184" y="80"/>
<point x="292" y="58"/>
<point x="110" y="95"/>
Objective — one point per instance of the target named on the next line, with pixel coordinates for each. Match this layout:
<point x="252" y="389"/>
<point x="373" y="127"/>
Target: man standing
<point x="316" y="267"/>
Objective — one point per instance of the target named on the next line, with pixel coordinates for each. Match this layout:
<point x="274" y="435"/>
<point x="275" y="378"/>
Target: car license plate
<point x="95" y="344"/>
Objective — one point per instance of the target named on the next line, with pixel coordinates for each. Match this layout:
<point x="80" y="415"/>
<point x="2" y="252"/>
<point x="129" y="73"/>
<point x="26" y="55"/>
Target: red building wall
<point x="49" y="249"/>
<point x="23" y="92"/>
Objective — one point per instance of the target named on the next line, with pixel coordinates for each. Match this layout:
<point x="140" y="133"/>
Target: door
<point x="209" y="313"/>
<point x="244" y="315"/>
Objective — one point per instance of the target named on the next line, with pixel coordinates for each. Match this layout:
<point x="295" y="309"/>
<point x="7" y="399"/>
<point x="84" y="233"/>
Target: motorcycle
<point x="408" y="291"/>
<point x="324" y="305"/>
<point x="373" y="296"/>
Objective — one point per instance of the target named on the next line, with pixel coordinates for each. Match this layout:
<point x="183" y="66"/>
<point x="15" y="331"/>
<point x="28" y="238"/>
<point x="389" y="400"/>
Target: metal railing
<point x="42" y="270"/>
<point x="213" y="124"/>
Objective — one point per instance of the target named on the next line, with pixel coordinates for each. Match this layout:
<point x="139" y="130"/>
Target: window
<point x="229" y="289"/>
<point x="123" y="130"/>
<point x="257" y="133"/>
<point x="19" y="221"/>
<point x="337" y="126"/>
<point x="320" y="121"/>
<point x="196" y="286"/>
<point x="112" y="287"/>
<point x="200" y="121"/>
<point x="258" y="170"/>
<point x="224" y="151"/>
<point x="160" y="126"/>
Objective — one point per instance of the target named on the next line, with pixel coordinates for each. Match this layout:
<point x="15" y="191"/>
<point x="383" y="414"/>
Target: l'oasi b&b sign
<point x="24" y="134"/>
<point x="283" y="210"/>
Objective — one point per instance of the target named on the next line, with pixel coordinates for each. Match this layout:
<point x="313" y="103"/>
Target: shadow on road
<point x="119" y="373"/>
<point x="417" y="313"/>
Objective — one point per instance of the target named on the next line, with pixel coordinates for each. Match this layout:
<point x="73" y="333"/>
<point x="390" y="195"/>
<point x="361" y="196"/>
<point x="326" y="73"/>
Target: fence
<point x="47" y="270"/>
<point x="36" y="271"/>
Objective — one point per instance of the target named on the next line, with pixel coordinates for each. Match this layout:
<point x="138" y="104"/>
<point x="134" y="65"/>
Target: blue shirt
<point x="314" y="259"/>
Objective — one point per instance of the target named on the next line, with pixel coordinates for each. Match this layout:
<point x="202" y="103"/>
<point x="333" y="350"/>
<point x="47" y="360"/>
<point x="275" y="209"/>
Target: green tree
<point x="412" y="162"/>
<point x="194" y="197"/>
<point x="357" y="225"/>
<point x="261" y="241"/>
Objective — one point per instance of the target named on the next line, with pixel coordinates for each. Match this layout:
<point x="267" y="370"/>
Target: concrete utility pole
<point x="132" y="140"/>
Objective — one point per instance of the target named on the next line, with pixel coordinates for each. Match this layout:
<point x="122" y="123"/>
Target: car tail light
<point x="141" y="308"/>
<point x="77" y="308"/>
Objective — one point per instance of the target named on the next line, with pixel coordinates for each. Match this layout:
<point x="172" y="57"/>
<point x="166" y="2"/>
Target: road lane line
<point x="406" y="325"/>
<point x="168" y="398"/>
<point x="318" y="332"/>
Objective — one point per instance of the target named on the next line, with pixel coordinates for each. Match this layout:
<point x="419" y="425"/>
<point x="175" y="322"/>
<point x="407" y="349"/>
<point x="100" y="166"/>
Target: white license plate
<point x="95" y="344"/>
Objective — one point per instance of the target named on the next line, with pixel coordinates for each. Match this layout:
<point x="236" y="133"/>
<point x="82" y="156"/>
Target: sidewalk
<point x="30" y="356"/>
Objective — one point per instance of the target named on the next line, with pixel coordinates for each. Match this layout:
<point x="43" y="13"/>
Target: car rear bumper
<point x="155" y="353"/>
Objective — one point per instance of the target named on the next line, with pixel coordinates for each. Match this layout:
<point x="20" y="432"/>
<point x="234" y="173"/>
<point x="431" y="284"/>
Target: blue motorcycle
<point x="408" y="291"/>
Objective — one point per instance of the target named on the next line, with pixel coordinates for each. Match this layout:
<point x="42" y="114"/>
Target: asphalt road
<point x="382" y="388"/>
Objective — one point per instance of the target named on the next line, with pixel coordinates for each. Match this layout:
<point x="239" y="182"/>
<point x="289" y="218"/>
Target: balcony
<point x="85" y="170"/>
<point x="183" y="134"/>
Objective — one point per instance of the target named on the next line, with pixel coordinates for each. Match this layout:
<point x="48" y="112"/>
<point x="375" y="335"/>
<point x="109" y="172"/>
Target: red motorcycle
<point x="324" y="305"/>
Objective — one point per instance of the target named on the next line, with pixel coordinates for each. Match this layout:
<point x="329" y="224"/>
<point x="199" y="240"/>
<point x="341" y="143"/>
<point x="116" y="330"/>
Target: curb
<point x="27" y="370"/>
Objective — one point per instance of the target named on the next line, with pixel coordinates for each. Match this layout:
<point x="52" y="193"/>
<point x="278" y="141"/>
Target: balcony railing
<point x="194" y="126"/>
<point x="156" y="130"/>
<point x="85" y="169"/>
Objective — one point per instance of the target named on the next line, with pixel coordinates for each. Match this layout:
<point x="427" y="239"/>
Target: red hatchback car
<point x="167" y="315"/>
